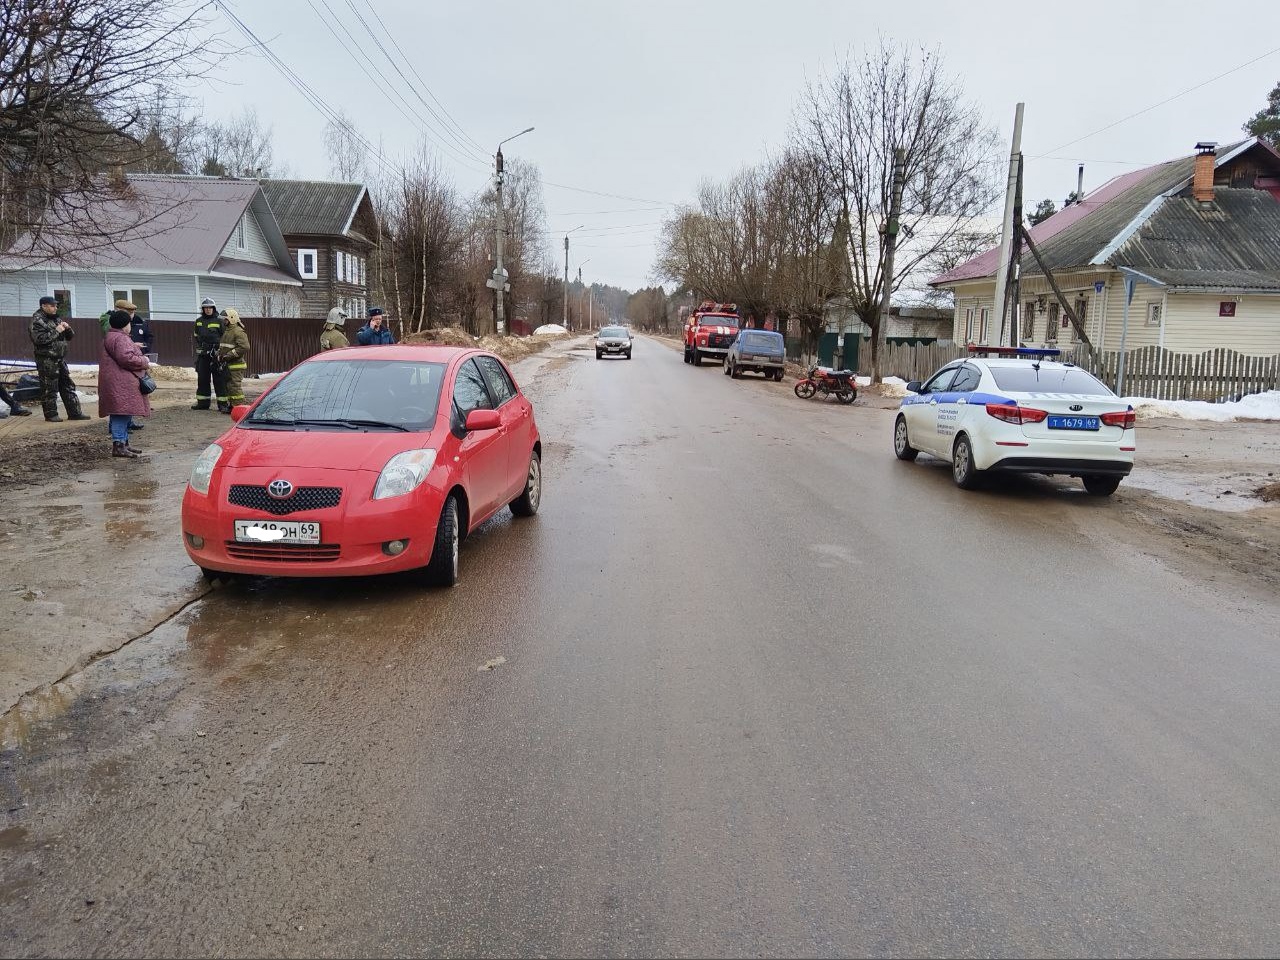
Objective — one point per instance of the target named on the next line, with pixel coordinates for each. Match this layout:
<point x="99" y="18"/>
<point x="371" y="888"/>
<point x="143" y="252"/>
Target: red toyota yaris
<point x="365" y="460"/>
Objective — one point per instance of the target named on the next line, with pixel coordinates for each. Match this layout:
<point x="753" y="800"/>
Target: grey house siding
<point x="256" y="247"/>
<point x="173" y="296"/>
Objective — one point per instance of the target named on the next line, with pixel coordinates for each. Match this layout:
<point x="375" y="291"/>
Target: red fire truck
<point x="710" y="332"/>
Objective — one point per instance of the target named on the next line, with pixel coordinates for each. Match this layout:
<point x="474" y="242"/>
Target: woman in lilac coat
<point x="120" y="398"/>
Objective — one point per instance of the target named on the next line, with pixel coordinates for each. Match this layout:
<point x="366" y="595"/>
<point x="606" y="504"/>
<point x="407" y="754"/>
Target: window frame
<point x="1029" y="320"/>
<point x="314" y="254"/>
<point x="131" y="294"/>
<point x="968" y="325"/>
<point x="70" y="289"/>
<point x="460" y="415"/>
<point x="984" y="321"/>
<point x="1052" y="315"/>
<point x="965" y="368"/>
<point x="927" y="386"/>
<point x="1155" y="309"/>
<point x="242" y="234"/>
<point x="485" y="363"/>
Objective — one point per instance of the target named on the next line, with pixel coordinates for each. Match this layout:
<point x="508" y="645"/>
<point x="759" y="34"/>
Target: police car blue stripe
<point x="982" y="398"/>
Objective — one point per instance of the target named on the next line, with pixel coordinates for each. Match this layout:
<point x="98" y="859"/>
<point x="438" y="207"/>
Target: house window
<point x="1154" y="311"/>
<point x="66" y="297"/>
<point x="1029" y="320"/>
<point x="240" y="240"/>
<point x="361" y="278"/>
<point x="140" y="297"/>
<point x="307" y="264"/>
<point x="983" y="317"/>
<point x="1051" y="323"/>
<point x="968" y="325"/>
<point x="1082" y="311"/>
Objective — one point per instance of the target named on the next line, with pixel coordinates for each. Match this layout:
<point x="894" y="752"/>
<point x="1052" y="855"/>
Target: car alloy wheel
<point x="526" y="505"/>
<point x="965" y="474"/>
<point x="902" y="448"/>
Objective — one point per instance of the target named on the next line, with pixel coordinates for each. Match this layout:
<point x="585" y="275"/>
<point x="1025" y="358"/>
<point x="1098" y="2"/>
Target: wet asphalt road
<point x="766" y="691"/>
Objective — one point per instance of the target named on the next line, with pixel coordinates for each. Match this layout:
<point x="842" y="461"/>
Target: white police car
<point x="1015" y="409"/>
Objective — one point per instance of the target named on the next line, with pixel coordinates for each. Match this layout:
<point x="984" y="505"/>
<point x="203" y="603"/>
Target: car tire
<point x="963" y="472"/>
<point x="442" y="569"/>
<point x="628" y="354"/>
<point x="902" y="448"/>
<point x="526" y="505"/>
<point x="599" y="355"/>
<point x="735" y="372"/>
<point x="696" y="357"/>
<point x="1101" y="484"/>
<point x="726" y="366"/>
<point x="777" y="375"/>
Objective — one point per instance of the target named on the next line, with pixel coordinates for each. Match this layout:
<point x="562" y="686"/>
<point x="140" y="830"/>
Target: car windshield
<point x="763" y="341"/>
<point x="346" y="394"/>
<point x="718" y="322"/>
<point x="613" y="332"/>
<point x="1045" y="378"/>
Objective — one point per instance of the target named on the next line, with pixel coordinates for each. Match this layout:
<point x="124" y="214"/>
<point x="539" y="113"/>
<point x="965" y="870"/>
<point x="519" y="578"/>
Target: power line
<point x="601" y="213"/>
<point x="409" y="63"/>
<point x="1153" y="106"/>
<point x="303" y="88"/>
<point x="475" y="152"/>
<point x="361" y="58"/>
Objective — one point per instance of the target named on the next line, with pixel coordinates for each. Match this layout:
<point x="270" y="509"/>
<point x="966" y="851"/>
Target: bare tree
<point x="348" y="156"/>
<point x="76" y="80"/>
<point x="422" y="241"/>
<point x="239" y="147"/>
<point x="851" y="121"/>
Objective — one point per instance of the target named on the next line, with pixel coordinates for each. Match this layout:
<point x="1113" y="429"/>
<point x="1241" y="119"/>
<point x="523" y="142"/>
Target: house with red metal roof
<point x="1196" y="240"/>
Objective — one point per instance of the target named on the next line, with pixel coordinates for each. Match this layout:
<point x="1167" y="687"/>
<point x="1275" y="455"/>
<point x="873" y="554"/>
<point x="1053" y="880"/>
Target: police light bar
<point x="986" y="351"/>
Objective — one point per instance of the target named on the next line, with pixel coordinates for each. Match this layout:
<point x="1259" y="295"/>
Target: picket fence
<point x="1215" y="375"/>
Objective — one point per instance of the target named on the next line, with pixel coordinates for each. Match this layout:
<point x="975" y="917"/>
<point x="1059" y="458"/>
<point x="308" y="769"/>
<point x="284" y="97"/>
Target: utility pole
<point x="498" y="282"/>
<point x="500" y="274"/>
<point x="1014" y="297"/>
<point x="566" y="281"/>
<point x="890" y="247"/>
<point x="1006" y="227"/>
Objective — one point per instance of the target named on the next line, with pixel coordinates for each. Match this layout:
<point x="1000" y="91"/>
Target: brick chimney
<point x="1202" y="182"/>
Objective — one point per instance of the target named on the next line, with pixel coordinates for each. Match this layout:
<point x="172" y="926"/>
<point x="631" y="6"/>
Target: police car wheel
<point x="1100" y="484"/>
<point x="902" y="447"/>
<point x="965" y="474"/>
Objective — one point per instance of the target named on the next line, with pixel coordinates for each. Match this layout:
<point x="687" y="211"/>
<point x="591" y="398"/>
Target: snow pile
<point x="1258" y="406"/>
<point x="549" y="328"/>
<point x="889" y="386"/>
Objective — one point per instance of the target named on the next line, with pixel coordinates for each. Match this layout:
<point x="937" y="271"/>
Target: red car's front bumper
<point x="352" y="535"/>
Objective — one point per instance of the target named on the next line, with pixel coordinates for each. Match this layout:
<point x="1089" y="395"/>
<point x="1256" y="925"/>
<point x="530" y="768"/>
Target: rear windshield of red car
<point x="403" y="393"/>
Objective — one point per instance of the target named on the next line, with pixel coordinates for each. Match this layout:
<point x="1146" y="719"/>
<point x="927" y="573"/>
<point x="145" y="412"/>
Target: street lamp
<point x="564" y="321"/>
<point x="499" y="279"/>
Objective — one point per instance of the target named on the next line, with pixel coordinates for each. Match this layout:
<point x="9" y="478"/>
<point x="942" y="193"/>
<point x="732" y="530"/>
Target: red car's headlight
<point x="404" y="473"/>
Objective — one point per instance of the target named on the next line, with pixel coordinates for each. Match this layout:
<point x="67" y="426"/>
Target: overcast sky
<point x="645" y="100"/>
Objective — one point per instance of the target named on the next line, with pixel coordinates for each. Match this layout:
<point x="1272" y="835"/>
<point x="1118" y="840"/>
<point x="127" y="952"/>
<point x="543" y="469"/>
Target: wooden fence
<point x="278" y="343"/>
<point x="1215" y="375"/>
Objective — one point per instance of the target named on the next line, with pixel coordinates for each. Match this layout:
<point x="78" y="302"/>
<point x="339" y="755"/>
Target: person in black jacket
<point x="211" y="372"/>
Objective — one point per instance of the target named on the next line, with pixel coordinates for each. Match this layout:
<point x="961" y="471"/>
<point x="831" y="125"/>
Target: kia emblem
<point x="280" y="489"/>
<point x="1076" y="408"/>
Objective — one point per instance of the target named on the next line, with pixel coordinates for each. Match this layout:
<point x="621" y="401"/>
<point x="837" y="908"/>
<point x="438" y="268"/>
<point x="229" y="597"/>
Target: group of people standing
<point x="375" y="332"/>
<point x="221" y="361"/>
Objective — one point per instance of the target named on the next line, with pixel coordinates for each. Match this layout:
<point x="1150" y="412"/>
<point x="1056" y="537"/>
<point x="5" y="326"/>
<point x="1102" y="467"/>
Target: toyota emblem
<point x="1076" y="408"/>
<point x="280" y="489"/>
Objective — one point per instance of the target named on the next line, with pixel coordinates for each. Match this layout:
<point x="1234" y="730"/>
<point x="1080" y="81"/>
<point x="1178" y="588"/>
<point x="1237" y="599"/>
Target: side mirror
<point x="483" y="420"/>
<point x="238" y="412"/>
<point x="913" y="386"/>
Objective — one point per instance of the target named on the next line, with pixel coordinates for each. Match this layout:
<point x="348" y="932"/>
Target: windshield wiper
<point x="351" y="424"/>
<point x="270" y="421"/>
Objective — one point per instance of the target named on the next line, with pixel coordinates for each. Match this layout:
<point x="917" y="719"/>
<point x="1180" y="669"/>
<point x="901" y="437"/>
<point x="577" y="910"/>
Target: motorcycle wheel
<point x="805" y="389"/>
<point x="847" y="396"/>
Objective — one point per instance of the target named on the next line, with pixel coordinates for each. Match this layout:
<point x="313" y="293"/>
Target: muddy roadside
<point x="90" y="546"/>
